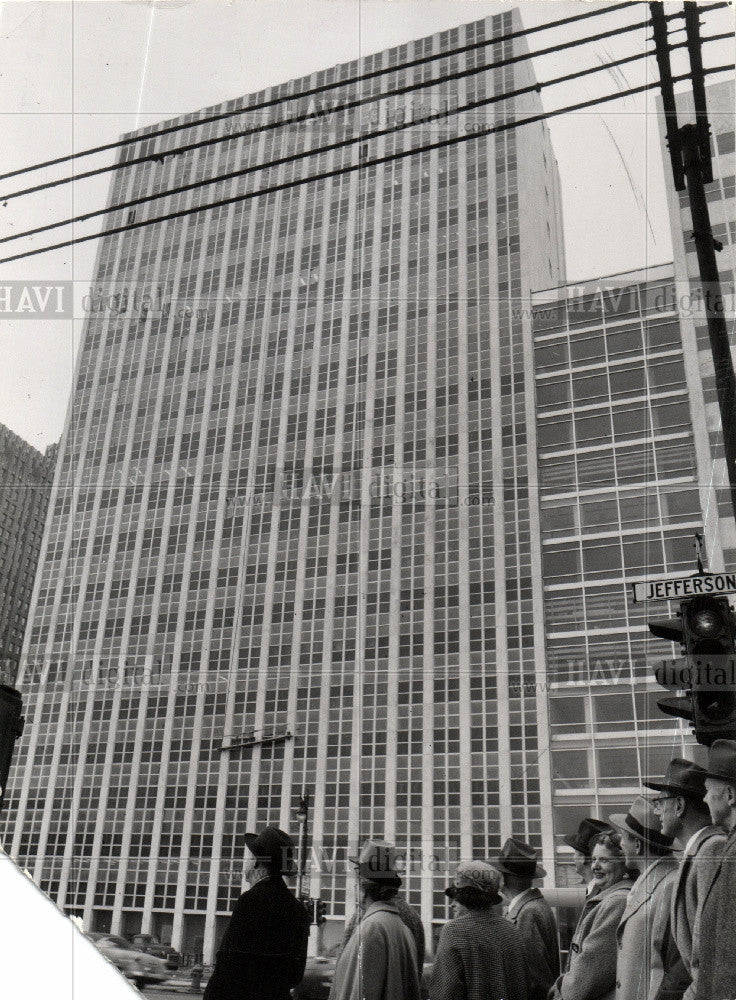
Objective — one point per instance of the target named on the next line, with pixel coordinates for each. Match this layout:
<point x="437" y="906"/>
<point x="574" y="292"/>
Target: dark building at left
<point x="25" y="484"/>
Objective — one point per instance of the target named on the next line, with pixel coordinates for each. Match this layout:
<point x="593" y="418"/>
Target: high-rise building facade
<point x="721" y="198"/>
<point x="293" y="542"/>
<point x="25" y="485"/>
<point x="623" y="456"/>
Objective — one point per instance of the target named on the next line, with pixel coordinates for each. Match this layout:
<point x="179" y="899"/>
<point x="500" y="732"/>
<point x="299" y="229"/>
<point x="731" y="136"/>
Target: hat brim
<point x="500" y="866"/>
<point x="290" y="868"/>
<point x="729" y="779"/>
<point x="572" y="841"/>
<point x="389" y="879"/>
<point x="662" y="786"/>
<point x="618" y="822"/>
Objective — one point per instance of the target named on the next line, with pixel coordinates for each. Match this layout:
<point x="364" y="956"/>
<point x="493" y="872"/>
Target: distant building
<point x="721" y="195"/>
<point x="25" y="484"/>
<point x="622" y="463"/>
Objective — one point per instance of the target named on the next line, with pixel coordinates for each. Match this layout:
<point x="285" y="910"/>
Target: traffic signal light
<point x="705" y="629"/>
<point x="320" y="909"/>
<point x="11" y="727"/>
<point x="680" y="706"/>
<point x="709" y="638"/>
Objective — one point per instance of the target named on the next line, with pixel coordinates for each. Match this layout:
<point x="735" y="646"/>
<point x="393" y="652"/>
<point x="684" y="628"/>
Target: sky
<point x="78" y="75"/>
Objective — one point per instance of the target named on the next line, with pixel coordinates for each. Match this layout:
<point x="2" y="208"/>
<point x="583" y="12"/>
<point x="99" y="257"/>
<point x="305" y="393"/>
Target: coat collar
<point x="380" y="907"/>
<point x="702" y="836"/>
<point x="623" y="885"/>
<point x="521" y="900"/>
<point x="644" y="887"/>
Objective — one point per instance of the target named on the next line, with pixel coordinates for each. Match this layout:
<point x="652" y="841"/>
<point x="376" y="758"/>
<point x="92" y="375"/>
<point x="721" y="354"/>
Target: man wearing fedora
<point x="715" y="930"/>
<point x="531" y="913"/>
<point x="684" y="816"/>
<point x="379" y="961"/>
<point x="643" y="933"/>
<point x="408" y="914"/>
<point x="581" y="842"/>
<point x="480" y="956"/>
<point x="264" y="949"/>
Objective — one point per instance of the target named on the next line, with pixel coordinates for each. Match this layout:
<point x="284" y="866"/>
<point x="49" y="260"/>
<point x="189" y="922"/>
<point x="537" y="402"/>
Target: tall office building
<point x="293" y="540"/>
<point x="25" y="485"/>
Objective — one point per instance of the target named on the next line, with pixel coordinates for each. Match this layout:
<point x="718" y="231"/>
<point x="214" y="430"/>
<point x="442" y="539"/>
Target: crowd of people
<point x="654" y="926"/>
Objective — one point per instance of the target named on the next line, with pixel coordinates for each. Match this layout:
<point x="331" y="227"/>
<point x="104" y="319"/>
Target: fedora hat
<point x="642" y="821"/>
<point x="476" y="875"/>
<point x="518" y="858"/>
<point x="722" y="761"/>
<point x="377" y="863"/>
<point x="274" y="847"/>
<point x="683" y="777"/>
<point x="588" y="830"/>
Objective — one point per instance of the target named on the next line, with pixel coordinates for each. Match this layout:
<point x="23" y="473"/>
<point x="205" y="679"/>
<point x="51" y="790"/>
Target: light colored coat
<point x="533" y="915"/>
<point x="715" y="930"/>
<point x="379" y="961"/>
<point x="695" y="877"/>
<point x="591" y="963"/>
<point x="643" y="933"/>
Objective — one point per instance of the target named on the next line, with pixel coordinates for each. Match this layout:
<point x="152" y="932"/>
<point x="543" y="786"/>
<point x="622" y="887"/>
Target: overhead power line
<point x="350" y="105"/>
<point x="342" y="143"/>
<point x="286" y="185"/>
<point x="323" y="88"/>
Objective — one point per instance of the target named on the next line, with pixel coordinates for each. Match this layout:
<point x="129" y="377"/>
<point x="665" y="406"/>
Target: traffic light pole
<point x="705" y="245"/>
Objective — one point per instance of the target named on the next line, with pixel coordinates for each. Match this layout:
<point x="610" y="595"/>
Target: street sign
<point x="689" y="586"/>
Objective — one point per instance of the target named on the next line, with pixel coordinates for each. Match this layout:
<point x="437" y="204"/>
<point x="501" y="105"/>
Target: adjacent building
<point x="293" y="541"/>
<point x="25" y="484"/>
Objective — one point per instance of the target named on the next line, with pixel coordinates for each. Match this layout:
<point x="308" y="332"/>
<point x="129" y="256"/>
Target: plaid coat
<point x="480" y="956"/>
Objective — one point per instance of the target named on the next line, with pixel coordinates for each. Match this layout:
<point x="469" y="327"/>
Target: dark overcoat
<point x="715" y="931"/>
<point x="264" y="949"/>
<point x="533" y="915"/>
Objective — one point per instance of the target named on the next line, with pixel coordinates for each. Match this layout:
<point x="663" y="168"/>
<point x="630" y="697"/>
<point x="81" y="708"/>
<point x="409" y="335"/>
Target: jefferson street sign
<point x="689" y="586"/>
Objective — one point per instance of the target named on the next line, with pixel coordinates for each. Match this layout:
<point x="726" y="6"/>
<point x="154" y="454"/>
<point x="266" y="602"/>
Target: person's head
<point x="376" y="871"/>
<point x="269" y="853"/>
<point x="581" y="843"/>
<point x="720" y="797"/>
<point x="679" y="802"/>
<point x="375" y="891"/>
<point x="641" y="836"/>
<point x="475" y="887"/>
<point x="518" y="867"/>
<point x="720" y="783"/>
<point x="608" y="864"/>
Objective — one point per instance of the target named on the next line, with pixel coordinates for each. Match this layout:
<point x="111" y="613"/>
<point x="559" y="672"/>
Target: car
<point x="136" y="965"/>
<point x="320" y="971"/>
<point x="152" y="946"/>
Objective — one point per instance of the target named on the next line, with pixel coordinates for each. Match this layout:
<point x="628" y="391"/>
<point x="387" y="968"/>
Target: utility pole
<point x="689" y="147"/>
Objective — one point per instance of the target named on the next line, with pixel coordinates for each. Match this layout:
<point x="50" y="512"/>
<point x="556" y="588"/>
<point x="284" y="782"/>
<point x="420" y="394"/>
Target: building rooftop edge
<point x="142" y="132"/>
<point x="556" y="292"/>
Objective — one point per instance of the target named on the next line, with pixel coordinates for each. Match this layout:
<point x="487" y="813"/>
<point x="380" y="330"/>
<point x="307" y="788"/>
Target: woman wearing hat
<point x="643" y="934"/>
<point x="480" y="955"/>
<point x="591" y="962"/>
<point x="379" y="961"/>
